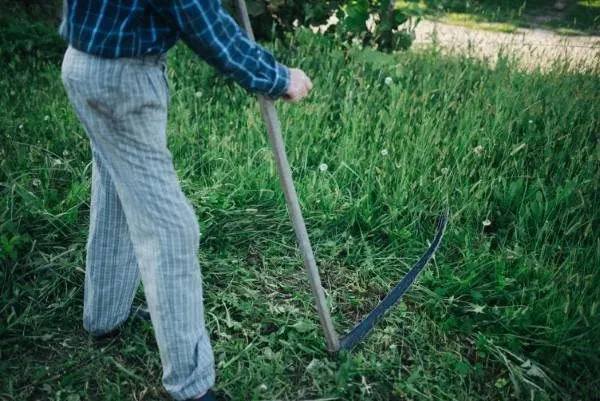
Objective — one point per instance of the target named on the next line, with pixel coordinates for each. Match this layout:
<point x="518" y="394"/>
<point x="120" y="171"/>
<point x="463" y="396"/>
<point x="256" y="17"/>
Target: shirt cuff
<point x="282" y="81"/>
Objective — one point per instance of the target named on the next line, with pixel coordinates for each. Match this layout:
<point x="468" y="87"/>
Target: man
<point x="141" y="224"/>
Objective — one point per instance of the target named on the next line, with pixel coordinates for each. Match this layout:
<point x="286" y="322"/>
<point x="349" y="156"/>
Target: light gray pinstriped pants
<point x="140" y="221"/>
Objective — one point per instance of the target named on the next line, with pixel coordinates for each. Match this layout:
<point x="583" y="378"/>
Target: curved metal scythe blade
<point x="359" y="332"/>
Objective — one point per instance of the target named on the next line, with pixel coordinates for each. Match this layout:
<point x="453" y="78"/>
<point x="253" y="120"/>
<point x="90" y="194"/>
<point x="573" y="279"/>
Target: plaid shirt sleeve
<point x="217" y="38"/>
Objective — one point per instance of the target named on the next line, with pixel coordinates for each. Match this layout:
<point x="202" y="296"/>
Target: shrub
<point x="274" y="17"/>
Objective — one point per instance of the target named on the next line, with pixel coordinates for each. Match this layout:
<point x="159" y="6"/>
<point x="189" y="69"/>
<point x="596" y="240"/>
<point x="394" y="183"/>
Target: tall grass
<point x="508" y="309"/>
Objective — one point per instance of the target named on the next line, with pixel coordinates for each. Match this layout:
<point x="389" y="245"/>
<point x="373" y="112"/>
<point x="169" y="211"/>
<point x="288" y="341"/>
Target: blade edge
<point x="362" y="329"/>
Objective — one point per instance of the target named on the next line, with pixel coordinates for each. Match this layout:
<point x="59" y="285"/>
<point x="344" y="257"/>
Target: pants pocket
<point x="165" y="78"/>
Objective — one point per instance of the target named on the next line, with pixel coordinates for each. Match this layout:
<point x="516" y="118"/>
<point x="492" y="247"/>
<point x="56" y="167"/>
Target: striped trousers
<point x="142" y="227"/>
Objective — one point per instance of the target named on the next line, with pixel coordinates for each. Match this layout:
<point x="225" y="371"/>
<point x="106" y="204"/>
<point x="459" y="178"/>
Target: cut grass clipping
<point x="509" y="308"/>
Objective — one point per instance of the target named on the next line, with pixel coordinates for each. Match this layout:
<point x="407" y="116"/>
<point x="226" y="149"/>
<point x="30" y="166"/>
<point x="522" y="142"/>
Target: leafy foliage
<point x="371" y="22"/>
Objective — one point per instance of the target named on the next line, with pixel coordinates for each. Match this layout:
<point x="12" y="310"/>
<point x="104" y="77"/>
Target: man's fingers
<point x="304" y="90"/>
<point x="297" y="95"/>
<point x="300" y="85"/>
<point x="309" y="84"/>
<point x="292" y="98"/>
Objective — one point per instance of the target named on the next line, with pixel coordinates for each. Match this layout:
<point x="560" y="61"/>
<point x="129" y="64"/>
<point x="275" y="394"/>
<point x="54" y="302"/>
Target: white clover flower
<point x="46" y="117"/>
<point x="530" y="121"/>
<point x="12" y="93"/>
<point x="323" y="167"/>
<point x="388" y="80"/>
<point x="478" y="150"/>
<point x="65" y="153"/>
<point x="56" y="162"/>
<point x="445" y="170"/>
<point x="20" y="126"/>
<point x="198" y="94"/>
<point x="486" y="222"/>
<point x="36" y="182"/>
<point x="263" y="387"/>
<point x="366" y="386"/>
<point x="384" y="152"/>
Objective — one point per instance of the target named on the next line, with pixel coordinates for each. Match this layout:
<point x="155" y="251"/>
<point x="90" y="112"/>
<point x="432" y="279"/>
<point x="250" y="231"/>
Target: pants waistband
<point x="149" y="59"/>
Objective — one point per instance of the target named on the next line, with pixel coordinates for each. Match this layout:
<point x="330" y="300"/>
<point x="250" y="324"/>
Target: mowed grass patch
<point x="508" y="309"/>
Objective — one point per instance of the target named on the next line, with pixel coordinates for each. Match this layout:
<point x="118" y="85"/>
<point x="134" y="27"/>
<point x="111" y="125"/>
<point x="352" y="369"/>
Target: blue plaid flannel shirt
<point x="132" y="28"/>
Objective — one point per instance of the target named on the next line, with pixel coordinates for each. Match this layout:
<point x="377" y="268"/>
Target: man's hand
<point x="299" y="86"/>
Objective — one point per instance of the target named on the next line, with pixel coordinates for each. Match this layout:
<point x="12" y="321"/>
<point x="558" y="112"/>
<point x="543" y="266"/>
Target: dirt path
<point x="533" y="47"/>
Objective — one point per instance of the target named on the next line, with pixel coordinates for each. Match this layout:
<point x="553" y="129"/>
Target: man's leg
<point x="111" y="275"/>
<point x="123" y="105"/>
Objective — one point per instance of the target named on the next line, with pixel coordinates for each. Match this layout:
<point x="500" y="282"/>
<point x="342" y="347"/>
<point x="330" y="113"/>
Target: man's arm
<point x="218" y="39"/>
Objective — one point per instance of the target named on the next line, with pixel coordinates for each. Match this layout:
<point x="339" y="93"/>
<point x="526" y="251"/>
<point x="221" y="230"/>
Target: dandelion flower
<point x="486" y="222"/>
<point x="478" y="150"/>
<point x="323" y="167"/>
<point x="388" y="80"/>
<point x="384" y="152"/>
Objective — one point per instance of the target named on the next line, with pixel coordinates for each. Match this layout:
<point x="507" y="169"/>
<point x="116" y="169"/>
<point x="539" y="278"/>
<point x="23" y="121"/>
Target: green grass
<point x="579" y="17"/>
<point x="508" y="310"/>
